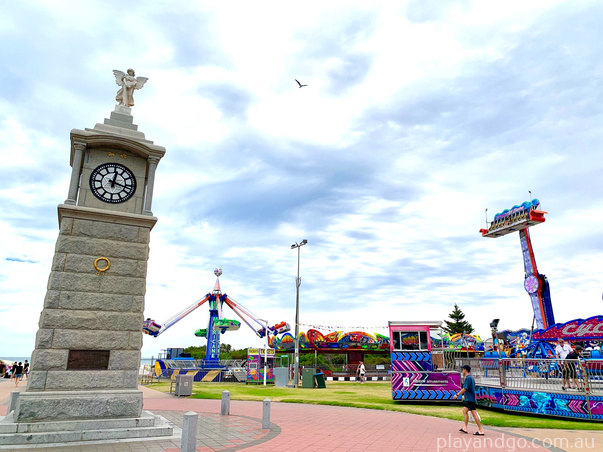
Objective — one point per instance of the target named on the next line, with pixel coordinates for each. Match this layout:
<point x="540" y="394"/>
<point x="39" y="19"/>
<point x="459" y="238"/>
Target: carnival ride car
<point x="335" y="340"/>
<point x="460" y="342"/>
<point x="217" y="323"/>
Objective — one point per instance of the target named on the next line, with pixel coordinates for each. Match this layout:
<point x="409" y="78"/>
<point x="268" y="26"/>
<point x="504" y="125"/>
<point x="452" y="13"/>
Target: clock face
<point x="112" y="182"/>
<point x="531" y="284"/>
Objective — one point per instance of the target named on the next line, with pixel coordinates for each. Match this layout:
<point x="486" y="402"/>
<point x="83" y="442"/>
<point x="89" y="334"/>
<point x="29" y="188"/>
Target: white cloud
<point x="415" y="120"/>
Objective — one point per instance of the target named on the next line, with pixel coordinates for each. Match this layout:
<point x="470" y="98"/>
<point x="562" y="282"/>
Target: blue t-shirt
<point x="469" y="387"/>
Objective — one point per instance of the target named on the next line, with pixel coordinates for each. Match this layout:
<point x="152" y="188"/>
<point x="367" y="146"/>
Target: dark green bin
<point x="319" y="378"/>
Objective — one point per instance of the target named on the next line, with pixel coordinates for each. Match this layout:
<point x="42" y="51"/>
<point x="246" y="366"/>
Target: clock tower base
<point x="145" y="426"/>
<point x="84" y="378"/>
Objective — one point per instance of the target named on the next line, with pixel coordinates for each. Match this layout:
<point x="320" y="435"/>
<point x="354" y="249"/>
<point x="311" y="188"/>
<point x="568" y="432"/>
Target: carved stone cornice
<point x="89" y="213"/>
<point x="94" y="139"/>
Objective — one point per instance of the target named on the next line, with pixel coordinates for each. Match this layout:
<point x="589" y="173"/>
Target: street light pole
<point x="297" y="284"/>
<point x="265" y="349"/>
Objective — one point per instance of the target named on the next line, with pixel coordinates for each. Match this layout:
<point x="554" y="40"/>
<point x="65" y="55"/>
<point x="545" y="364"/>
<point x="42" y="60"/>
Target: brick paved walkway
<point x="318" y="428"/>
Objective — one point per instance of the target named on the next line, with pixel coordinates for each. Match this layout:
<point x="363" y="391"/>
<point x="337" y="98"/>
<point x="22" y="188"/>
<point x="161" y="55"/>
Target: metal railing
<point x="146" y="375"/>
<point x="240" y="375"/>
<point x="450" y="358"/>
<point x="549" y="375"/>
<point x="183" y="363"/>
<point x="233" y="362"/>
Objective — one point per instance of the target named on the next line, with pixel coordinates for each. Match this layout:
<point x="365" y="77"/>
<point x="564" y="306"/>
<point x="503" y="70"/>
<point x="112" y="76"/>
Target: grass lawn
<point x="373" y="395"/>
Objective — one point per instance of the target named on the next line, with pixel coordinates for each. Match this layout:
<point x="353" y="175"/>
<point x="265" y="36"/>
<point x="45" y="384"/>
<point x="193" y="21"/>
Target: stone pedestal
<point x="87" y="310"/>
<point x="121" y="122"/>
<point x="77" y="405"/>
<point x="147" y="425"/>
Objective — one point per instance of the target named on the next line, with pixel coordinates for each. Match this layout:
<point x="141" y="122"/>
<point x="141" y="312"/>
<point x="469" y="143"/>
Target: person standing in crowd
<point x="570" y="366"/>
<point x="18" y="373"/>
<point x="561" y="351"/>
<point x="26" y="369"/>
<point x="470" y="402"/>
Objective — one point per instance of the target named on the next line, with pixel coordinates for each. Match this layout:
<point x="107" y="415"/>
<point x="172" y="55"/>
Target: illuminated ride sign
<point x="579" y="329"/>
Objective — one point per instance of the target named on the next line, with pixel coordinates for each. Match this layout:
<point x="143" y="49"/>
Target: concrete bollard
<point x="266" y="415"/>
<point x="189" y="432"/>
<point x="12" y="402"/>
<point x="225" y="406"/>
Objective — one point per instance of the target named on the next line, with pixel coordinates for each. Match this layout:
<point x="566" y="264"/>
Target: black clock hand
<point x="124" y="186"/>
<point x="113" y="181"/>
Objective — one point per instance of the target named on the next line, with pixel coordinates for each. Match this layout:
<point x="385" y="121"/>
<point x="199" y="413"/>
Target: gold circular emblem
<point x="102" y="270"/>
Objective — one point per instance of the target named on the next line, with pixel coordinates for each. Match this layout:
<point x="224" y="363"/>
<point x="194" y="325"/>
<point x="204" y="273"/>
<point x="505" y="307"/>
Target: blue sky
<point x="416" y="118"/>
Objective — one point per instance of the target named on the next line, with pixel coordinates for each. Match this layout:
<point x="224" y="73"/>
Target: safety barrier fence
<point x="237" y="368"/>
<point x="548" y="375"/>
<point x="224" y="375"/>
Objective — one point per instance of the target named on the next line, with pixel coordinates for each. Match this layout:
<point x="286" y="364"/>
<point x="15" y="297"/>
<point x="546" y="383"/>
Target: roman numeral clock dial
<point x="112" y="182"/>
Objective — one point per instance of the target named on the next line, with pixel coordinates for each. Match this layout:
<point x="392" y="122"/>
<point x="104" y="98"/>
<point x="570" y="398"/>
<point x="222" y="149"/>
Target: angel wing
<point x="140" y="81"/>
<point x="118" y="77"/>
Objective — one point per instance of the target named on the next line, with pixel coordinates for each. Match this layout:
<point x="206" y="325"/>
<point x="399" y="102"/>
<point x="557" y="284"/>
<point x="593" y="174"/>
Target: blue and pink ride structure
<point x="521" y="372"/>
<point x="526" y="358"/>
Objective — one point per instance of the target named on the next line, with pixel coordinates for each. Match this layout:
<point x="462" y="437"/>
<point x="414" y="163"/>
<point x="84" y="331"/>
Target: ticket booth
<point x="255" y="365"/>
<point x="417" y="373"/>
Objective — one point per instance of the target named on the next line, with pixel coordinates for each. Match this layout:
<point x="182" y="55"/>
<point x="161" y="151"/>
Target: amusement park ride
<point x="541" y="342"/>
<point x="521" y="374"/>
<point x="217" y="323"/>
<point x="520" y="218"/>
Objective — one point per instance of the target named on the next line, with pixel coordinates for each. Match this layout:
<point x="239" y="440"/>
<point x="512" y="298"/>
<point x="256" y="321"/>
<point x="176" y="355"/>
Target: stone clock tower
<point x="84" y="370"/>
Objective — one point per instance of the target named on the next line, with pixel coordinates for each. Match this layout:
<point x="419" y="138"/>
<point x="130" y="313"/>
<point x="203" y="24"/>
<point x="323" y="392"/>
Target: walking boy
<point x="469" y="404"/>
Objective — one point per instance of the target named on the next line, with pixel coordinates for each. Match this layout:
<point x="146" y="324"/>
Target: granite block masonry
<point x="84" y="368"/>
<point x="90" y="310"/>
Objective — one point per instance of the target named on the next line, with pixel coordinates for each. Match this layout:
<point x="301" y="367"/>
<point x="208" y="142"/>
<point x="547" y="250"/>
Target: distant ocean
<point x="12" y="359"/>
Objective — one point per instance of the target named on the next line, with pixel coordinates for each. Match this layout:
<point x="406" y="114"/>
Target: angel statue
<point x="128" y="83"/>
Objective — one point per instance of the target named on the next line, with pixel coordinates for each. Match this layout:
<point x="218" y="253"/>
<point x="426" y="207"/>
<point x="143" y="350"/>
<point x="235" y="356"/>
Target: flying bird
<point x="300" y="85"/>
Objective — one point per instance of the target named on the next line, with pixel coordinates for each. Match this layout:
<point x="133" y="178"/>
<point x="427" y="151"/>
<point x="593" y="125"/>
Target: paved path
<point x="6" y="387"/>
<point x="319" y="428"/>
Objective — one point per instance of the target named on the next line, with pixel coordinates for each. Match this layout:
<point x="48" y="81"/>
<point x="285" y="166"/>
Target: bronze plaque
<point x="88" y="360"/>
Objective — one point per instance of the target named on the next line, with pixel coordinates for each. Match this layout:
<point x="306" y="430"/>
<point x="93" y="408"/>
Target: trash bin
<point x="184" y="385"/>
<point x="308" y="377"/>
<point x="320" y="380"/>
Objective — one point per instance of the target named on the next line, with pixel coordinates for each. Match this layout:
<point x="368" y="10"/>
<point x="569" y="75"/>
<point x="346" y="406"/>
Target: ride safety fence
<point x="548" y="375"/>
